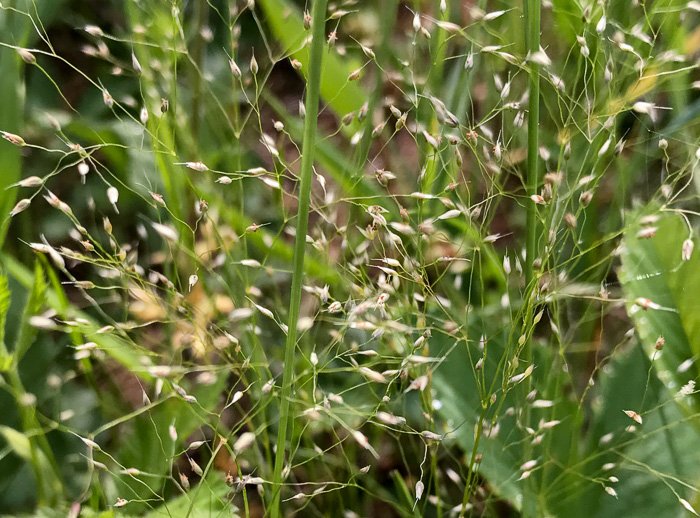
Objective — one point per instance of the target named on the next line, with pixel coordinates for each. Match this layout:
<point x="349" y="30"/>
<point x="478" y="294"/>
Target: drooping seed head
<point x="687" y="249"/>
<point x="108" y="99"/>
<point x="13" y="139"/>
<point x="601" y="25"/>
<point x="585" y="198"/>
<point x="235" y="69"/>
<point x="20" y="206"/>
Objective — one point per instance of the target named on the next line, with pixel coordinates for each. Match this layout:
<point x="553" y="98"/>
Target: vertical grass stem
<point x="307" y="161"/>
<point x="532" y="22"/>
<point x="532" y="18"/>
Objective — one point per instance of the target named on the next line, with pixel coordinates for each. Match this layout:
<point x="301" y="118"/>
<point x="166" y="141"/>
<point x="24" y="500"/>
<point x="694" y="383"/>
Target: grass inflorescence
<point x="429" y="258"/>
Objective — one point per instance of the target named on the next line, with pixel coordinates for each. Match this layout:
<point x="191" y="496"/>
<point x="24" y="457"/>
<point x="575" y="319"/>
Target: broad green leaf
<point x="570" y="480"/>
<point x="504" y="452"/>
<point x="211" y="501"/>
<point x="658" y="448"/>
<point x="458" y="391"/>
<point x="653" y="269"/>
<point x="568" y="20"/>
<point x="149" y="447"/>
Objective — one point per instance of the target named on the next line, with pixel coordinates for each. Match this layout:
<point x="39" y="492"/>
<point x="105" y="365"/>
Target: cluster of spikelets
<point x="376" y="324"/>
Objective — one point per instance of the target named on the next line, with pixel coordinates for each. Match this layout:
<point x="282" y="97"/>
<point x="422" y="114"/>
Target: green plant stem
<point x="532" y="20"/>
<point x="307" y="162"/>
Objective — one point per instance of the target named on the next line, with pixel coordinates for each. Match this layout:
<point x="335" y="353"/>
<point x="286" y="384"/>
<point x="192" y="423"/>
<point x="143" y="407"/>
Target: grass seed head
<point x="431" y="435"/>
<point x="165" y="231"/>
<point x="113" y="197"/>
<point x="647" y="232"/>
<point x="368" y="52"/>
<point x="390" y="419"/>
<point x="687" y="249"/>
<point x="601" y="25"/>
<point x="108" y="99"/>
<point x="20" y="206"/>
<point x="267" y="387"/>
<point x="254" y="64"/>
<point x="687" y="506"/>
<point x="195" y="467"/>
<point x="27" y="56"/>
<point x="235" y="69"/>
<point x="13" y="139"/>
<point x="419" y="489"/>
<point x="158" y="198"/>
<point x="634" y="416"/>
<point x="585" y="198"/>
<point x="31" y="181"/>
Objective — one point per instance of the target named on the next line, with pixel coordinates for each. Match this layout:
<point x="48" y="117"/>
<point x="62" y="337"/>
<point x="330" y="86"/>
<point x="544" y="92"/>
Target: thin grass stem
<point x="307" y="162"/>
<point x="532" y="17"/>
<point x="532" y="23"/>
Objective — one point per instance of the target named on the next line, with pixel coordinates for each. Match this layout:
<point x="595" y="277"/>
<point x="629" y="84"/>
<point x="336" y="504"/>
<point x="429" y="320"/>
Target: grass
<point x="532" y="23"/>
<point x="318" y="26"/>
<point x="408" y="302"/>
